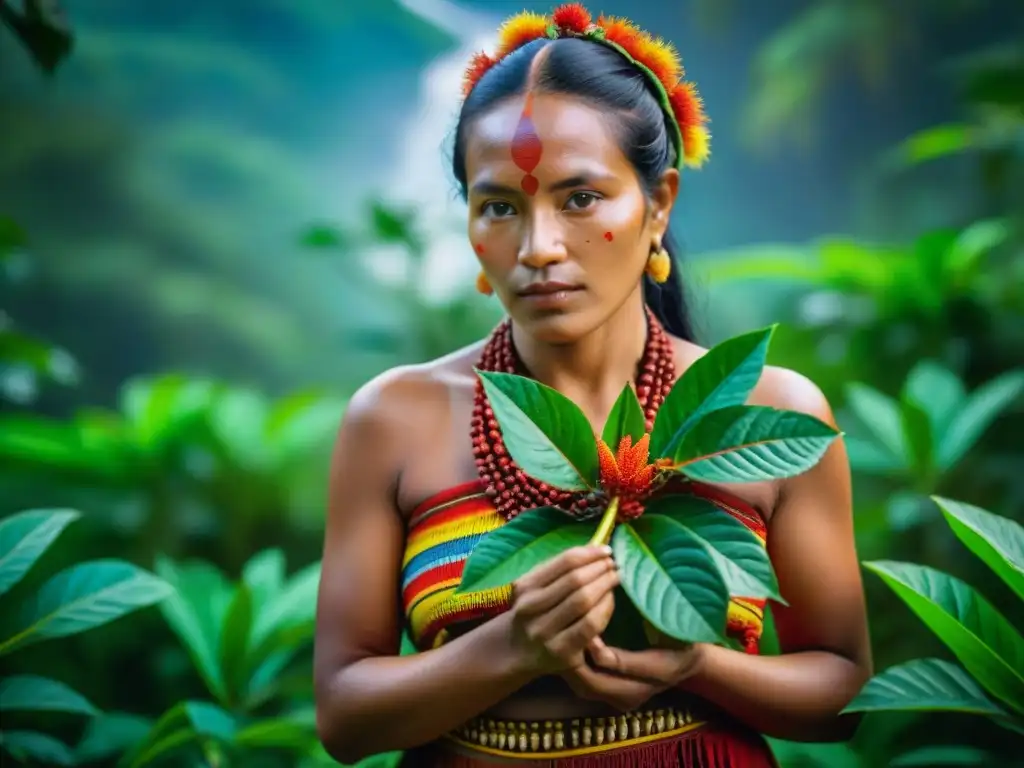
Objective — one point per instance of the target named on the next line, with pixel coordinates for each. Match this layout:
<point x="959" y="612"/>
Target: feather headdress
<point x="657" y="58"/>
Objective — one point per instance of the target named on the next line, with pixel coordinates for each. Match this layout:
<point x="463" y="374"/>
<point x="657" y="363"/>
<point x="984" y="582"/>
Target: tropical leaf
<point x="984" y="642"/>
<point x="997" y="540"/>
<point x="880" y="414"/>
<point x="162" y="407"/>
<point x="626" y="418"/>
<point x="738" y="554"/>
<point x="723" y="377"/>
<point x="234" y="641"/>
<point x="83" y="597"/>
<point x="292" y="731"/>
<point x="264" y="574"/>
<point x="975" y="416"/>
<point x="544" y="431"/>
<point x="671" y="578"/>
<point x="110" y="734"/>
<point x="917" y="435"/>
<point x="31" y="693"/>
<point x="293" y="606"/>
<point x="195" y="612"/>
<point x="868" y="456"/>
<point x="748" y="443"/>
<point x="36" y="747"/>
<point x="179" y="726"/>
<point x="937" y="391"/>
<point x="528" y="539"/>
<point x="24" y="537"/>
<point x="931" y="757"/>
<point x="924" y="684"/>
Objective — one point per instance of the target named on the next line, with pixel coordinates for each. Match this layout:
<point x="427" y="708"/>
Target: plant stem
<point x="603" y="534"/>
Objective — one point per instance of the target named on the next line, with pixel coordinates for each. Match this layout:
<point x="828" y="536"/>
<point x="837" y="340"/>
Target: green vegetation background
<point x="207" y="242"/>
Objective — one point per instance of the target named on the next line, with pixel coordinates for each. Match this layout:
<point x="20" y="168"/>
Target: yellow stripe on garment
<point x="472" y="523"/>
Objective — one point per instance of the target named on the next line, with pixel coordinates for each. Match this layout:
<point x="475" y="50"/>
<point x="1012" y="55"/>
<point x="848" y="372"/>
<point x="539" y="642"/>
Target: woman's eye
<point x="497" y="209"/>
<point x="582" y="200"/>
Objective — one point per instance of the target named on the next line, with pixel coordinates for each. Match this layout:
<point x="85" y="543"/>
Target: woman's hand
<point x="561" y="606"/>
<point x="628" y="679"/>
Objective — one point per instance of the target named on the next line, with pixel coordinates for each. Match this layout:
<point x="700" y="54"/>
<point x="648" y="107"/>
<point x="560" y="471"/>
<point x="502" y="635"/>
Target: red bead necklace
<point x="508" y="486"/>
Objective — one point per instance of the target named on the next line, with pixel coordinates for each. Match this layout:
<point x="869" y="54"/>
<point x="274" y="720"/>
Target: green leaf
<point x="83" y="597"/>
<point x="973" y="243"/>
<point x="997" y="540"/>
<point x="924" y="684"/>
<point x="723" y="377"/>
<point x="930" y="757"/>
<point x="179" y="726"/>
<point x="195" y="613"/>
<point x="934" y="143"/>
<point x="937" y="391"/>
<point x="917" y="436"/>
<point x="24" y="537"/>
<point x="670" y="577"/>
<point x="40" y="694"/>
<point x="37" y="747"/>
<point x="978" y="635"/>
<point x="109" y="734"/>
<point x="974" y="417"/>
<point x="264" y="575"/>
<point x="880" y="414"/>
<point x="292" y="731"/>
<point x="293" y="606"/>
<point x="527" y="540"/>
<point x="748" y="443"/>
<point x="544" y="431"/>
<point x="869" y="456"/>
<point x="161" y="407"/>
<point x="234" y="641"/>
<point x="626" y="418"/>
<point x="736" y="551"/>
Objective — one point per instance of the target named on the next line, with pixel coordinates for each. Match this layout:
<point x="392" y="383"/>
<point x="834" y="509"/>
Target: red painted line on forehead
<point x="527" y="147"/>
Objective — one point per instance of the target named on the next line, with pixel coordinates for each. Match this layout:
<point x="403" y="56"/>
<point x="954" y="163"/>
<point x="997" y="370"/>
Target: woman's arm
<point x="368" y="698"/>
<point x="823" y="632"/>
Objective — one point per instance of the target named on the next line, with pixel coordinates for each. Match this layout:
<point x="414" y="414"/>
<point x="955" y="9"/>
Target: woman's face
<point x="557" y="215"/>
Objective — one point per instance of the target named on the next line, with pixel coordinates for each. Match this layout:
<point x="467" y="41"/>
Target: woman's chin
<point x="555" y="328"/>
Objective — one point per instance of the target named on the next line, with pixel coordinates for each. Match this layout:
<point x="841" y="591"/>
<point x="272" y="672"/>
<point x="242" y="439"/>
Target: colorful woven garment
<point x="443" y="531"/>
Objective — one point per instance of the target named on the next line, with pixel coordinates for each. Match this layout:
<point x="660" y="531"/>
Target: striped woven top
<point x="443" y="530"/>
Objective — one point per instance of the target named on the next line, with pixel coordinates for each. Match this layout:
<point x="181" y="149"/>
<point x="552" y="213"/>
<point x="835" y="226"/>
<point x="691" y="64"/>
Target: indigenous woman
<point x="568" y="151"/>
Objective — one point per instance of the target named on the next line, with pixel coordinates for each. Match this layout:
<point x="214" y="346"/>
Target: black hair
<point x="602" y="76"/>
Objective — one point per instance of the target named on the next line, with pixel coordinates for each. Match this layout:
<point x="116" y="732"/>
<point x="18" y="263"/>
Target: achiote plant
<point x="681" y="557"/>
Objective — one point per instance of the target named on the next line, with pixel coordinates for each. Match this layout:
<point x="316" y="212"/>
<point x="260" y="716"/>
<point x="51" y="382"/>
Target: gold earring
<point x="483" y="284"/>
<point x="659" y="264"/>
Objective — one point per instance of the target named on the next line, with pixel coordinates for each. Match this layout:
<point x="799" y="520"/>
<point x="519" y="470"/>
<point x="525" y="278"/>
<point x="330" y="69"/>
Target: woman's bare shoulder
<point x="778" y="387"/>
<point x="408" y="392"/>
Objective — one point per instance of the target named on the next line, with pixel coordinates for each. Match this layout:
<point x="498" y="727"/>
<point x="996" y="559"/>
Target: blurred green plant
<point x="990" y="680"/>
<point x="75" y="600"/>
<point x="243" y="463"/>
<point x="24" y="359"/>
<point x="408" y="326"/>
<point x="42" y="28"/>
<point x="827" y="40"/>
<point x="919" y="438"/>
<point x="241" y="638"/>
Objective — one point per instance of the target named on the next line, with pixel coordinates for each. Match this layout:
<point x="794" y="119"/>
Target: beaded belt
<point x="565" y="738"/>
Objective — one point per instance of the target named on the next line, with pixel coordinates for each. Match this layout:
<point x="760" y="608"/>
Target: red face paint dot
<point x="609" y="236"/>
<point x="530" y="184"/>
<point x="479" y="249"/>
